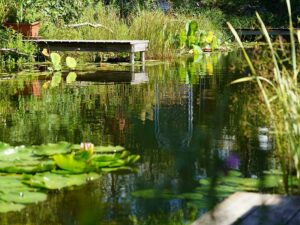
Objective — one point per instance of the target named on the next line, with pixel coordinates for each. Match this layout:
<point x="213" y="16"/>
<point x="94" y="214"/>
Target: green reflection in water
<point x="181" y="121"/>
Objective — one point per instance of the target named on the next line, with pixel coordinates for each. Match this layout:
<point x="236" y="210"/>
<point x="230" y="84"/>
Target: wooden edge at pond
<point x="129" y="46"/>
<point x="243" y="208"/>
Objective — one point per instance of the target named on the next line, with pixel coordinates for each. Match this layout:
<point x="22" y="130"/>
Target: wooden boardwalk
<point x="248" y="33"/>
<point x="243" y="208"/>
<point x="130" y="46"/>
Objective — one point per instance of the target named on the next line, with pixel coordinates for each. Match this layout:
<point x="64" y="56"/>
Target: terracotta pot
<point x="27" y="29"/>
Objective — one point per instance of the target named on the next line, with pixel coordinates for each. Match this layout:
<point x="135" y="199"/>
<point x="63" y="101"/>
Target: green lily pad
<point x="53" y="149"/>
<point x="190" y="196"/>
<point x="13" y="183"/>
<point x="21" y="153"/>
<point x="10" y="207"/>
<point x="27" y="166"/>
<point x="23" y="197"/>
<point x="54" y="181"/>
<point x="152" y="193"/>
<point x="69" y="163"/>
<point x="115" y="169"/>
<point x="108" y="149"/>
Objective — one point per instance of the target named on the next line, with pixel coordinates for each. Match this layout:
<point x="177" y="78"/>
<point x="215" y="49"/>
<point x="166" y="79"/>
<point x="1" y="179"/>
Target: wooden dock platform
<point x="130" y="46"/>
<point x="243" y="208"/>
<point x="249" y="33"/>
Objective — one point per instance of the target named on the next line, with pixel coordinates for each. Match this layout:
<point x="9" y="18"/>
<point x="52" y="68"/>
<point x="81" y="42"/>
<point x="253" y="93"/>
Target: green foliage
<point x="56" y="80"/>
<point x="18" y="52"/>
<point x="71" y="77"/>
<point x="23" y="11"/>
<point x="51" y="167"/>
<point x="281" y="96"/>
<point x="56" y="61"/>
<point x="54" y="181"/>
<point x="71" y="62"/>
<point x="196" y="39"/>
<point x="53" y="149"/>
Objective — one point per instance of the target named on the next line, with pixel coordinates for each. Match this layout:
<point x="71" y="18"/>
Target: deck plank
<point x="244" y="208"/>
<point x="279" y="210"/>
<point x="232" y="209"/>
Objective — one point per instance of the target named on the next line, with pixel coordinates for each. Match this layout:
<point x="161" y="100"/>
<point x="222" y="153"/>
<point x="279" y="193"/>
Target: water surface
<point x="181" y="117"/>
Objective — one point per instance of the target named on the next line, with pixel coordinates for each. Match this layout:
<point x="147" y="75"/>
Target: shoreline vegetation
<point x="173" y="28"/>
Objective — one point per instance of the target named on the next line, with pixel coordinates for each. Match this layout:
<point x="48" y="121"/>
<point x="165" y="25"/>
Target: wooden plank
<point x="93" y="45"/>
<point x="254" y="209"/>
<point x="295" y="220"/>
<point x="139" y="78"/>
<point x="272" y="32"/>
<point x="278" y="210"/>
<point x="233" y="208"/>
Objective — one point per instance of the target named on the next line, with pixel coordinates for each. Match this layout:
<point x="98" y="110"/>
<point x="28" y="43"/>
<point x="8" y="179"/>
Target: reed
<point x="281" y="95"/>
<point x="153" y="25"/>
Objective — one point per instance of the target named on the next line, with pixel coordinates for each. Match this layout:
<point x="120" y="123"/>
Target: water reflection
<point x="179" y="116"/>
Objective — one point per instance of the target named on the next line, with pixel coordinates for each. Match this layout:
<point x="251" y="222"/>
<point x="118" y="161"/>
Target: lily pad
<point x="27" y="166"/>
<point x="108" y="149"/>
<point x="115" y="169"/>
<point x="9" y="207"/>
<point x="13" y="154"/>
<point x="152" y="193"/>
<point x="23" y="197"/>
<point x="53" y="149"/>
<point x="69" y="163"/>
<point x="54" y="181"/>
<point x="13" y="183"/>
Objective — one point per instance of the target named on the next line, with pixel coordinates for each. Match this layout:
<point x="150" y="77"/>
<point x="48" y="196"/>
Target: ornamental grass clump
<point x="281" y="95"/>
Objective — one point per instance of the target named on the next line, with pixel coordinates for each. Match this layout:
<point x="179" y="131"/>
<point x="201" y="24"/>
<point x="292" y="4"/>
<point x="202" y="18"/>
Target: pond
<point x="182" y="118"/>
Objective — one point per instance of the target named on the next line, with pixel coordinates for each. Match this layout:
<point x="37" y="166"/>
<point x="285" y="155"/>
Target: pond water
<point x="181" y="117"/>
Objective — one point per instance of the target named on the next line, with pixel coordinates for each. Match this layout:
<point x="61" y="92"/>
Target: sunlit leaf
<point x="56" y="79"/>
<point x="55" y="58"/>
<point x="71" y="62"/>
<point x="71" y="77"/>
<point x="67" y="162"/>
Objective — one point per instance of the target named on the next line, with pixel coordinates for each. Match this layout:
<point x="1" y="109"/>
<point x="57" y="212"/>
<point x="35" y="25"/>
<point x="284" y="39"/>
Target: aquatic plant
<point x="56" y="67"/>
<point x="281" y="95"/>
<point x="156" y="26"/>
<point x="14" y="52"/>
<point x="198" y="40"/>
<point x="56" y="62"/>
<point x="27" y="170"/>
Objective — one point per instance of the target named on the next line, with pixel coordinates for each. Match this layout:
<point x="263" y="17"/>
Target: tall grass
<point x="4" y="7"/>
<point x="153" y="25"/>
<point x="281" y="95"/>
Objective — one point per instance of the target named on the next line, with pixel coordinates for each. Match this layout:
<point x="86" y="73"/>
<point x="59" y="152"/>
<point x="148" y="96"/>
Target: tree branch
<point x="89" y="24"/>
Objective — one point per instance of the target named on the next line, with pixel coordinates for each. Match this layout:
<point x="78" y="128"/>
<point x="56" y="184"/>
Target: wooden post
<point x="132" y="58"/>
<point x="143" y="57"/>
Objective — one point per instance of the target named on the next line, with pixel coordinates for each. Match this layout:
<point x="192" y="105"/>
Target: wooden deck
<point x="246" y="33"/>
<point x="244" y="208"/>
<point x="130" y="46"/>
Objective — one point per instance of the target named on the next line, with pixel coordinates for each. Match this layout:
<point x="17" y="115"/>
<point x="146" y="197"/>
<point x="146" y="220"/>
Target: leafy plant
<point x="281" y="96"/>
<point x="23" y="11"/>
<point x="52" y="166"/>
<point x="57" y="66"/>
<point x="198" y="40"/>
